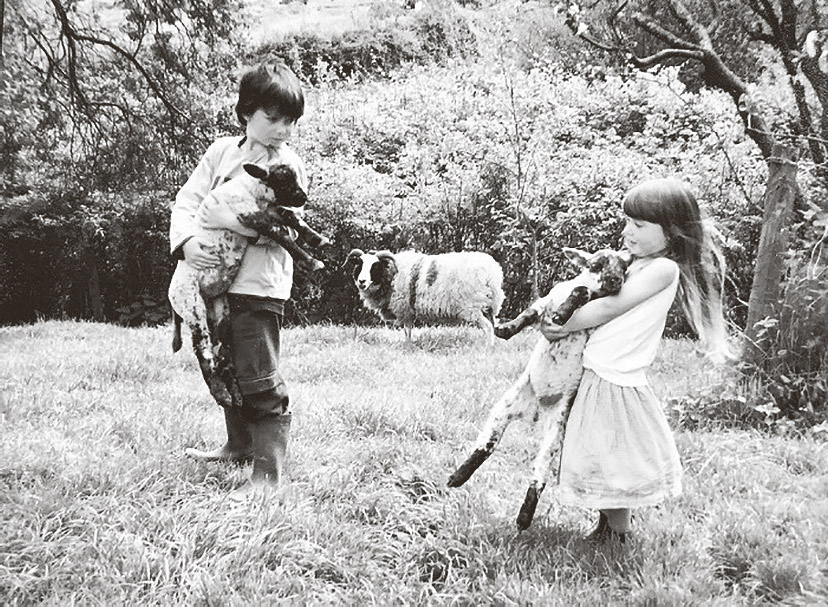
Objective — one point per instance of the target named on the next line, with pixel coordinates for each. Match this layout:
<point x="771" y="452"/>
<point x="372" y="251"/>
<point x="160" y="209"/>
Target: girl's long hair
<point x="691" y="244"/>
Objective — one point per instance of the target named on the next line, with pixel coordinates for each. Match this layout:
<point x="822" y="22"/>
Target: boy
<point x="270" y="102"/>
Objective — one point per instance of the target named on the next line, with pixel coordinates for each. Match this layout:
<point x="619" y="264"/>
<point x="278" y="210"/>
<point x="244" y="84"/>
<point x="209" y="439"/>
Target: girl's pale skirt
<point x="618" y="449"/>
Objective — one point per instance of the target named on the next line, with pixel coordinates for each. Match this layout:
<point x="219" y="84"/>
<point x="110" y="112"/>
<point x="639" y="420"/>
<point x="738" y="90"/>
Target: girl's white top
<point x="266" y="269"/>
<point x="621" y="350"/>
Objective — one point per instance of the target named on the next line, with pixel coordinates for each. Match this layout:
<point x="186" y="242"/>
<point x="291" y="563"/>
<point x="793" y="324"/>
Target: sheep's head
<point x="602" y="272"/>
<point x="373" y="272"/>
<point x="281" y="180"/>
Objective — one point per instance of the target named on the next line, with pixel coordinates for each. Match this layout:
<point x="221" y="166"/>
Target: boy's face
<point x="269" y="128"/>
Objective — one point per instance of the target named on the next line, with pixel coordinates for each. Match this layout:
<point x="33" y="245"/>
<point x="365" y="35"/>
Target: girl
<point x="618" y="450"/>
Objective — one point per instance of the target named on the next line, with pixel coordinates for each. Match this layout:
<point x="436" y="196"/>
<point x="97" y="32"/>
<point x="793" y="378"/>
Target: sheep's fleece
<point x="409" y="286"/>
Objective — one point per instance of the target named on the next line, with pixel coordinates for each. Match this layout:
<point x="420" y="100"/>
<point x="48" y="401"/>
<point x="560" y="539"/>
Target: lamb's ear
<point x="254" y="170"/>
<point x="576" y="257"/>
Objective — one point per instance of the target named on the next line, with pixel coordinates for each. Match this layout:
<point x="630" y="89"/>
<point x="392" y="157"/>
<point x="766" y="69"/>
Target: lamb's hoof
<point x="503" y="332"/>
<point x="456" y="480"/>
<point x="220" y="393"/>
<point x="527" y="510"/>
<point x="467" y="468"/>
<point x="236" y="398"/>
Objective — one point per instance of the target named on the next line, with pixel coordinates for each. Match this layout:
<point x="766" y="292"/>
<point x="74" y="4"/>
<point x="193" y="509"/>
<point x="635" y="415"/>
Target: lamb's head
<point x="281" y="180"/>
<point x="373" y="273"/>
<point x="602" y="272"/>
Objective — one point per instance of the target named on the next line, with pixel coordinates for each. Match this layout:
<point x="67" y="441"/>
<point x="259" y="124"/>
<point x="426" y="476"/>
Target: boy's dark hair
<point x="270" y="87"/>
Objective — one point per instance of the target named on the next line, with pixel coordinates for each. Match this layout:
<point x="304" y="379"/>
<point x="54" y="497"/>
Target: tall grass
<point x="99" y="506"/>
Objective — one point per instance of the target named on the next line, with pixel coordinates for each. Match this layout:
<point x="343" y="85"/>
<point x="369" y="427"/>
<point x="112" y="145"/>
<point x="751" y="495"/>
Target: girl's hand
<point x="197" y="256"/>
<point x="550" y="330"/>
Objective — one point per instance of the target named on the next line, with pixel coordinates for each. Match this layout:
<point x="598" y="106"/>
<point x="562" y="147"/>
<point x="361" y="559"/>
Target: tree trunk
<point x="94" y="288"/>
<point x="773" y="242"/>
<point x="2" y="25"/>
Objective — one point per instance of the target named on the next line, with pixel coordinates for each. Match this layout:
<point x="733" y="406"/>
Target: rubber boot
<point x="239" y="445"/>
<point x="270" y="439"/>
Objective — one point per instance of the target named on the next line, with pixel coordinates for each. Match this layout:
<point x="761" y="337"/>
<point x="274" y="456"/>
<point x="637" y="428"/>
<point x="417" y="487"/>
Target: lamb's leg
<point x="300" y="256"/>
<point x="578" y="297"/>
<point x="528" y="317"/>
<point x="176" y="341"/>
<point x="223" y="347"/>
<point x="187" y="301"/>
<point x="307" y="233"/>
<point x="553" y="413"/>
<point x="516" y="402"/>
<point x="509" y="329"/>
<point x="207" y="363"/>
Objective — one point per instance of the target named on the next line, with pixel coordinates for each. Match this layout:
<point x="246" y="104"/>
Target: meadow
<point x="99" y="506"/>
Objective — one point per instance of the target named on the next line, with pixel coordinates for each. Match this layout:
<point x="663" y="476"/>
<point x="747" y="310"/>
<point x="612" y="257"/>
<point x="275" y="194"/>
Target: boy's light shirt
<point x="267" y="268"/>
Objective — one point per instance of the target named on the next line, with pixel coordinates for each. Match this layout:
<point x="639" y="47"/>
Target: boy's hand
<point x="220" y="217"/>
<point x="197" y="256"/>
<point x="550" y="330"/>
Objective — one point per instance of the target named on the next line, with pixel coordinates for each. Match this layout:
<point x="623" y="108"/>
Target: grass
<point x="100" y="507"/>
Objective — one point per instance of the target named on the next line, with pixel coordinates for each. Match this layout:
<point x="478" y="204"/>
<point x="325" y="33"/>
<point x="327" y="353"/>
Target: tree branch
<point x="72" y="36"/>
<point x="665" y="55"/>
<point x="650" y="26"/>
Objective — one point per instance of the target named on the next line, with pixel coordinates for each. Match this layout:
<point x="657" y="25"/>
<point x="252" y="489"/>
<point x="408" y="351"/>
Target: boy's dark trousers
<point x="259" y="429"/>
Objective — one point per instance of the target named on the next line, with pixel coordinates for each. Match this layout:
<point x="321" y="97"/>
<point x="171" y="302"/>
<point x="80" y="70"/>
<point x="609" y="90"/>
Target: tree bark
<point x="773" y="242"/>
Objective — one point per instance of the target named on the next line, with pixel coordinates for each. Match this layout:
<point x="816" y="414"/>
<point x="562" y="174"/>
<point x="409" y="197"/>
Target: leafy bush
<point x="102" y="257"/>
<point x="435" y="33"/>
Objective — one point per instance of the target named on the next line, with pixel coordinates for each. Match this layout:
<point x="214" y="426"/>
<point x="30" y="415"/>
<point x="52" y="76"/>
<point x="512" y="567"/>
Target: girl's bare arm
<point x="652" y="279"/>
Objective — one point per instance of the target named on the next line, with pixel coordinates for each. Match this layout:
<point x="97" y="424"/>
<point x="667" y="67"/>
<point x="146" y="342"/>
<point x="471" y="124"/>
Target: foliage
<point x="99" y="107"/>
<point x="103" y="256"/>
<point x="395" y="38"/>
<point x="793" y="373"/>
<point x="504" y="159"/>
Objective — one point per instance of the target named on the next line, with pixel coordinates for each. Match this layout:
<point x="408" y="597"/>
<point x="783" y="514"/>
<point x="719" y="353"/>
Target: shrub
<point x="433" y="34"/>
<point x="102" y="257"/>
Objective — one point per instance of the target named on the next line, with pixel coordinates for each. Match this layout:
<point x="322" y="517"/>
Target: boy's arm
<point x="183" y="216"/>
<point x="652" y="279"/>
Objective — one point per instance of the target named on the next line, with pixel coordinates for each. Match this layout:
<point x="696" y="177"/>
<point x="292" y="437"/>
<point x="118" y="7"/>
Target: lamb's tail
<point x="176" y="342"/>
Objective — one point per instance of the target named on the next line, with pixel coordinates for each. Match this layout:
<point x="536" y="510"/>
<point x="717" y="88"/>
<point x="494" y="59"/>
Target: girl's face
<point x="643" y="238"/>
<point x="269" y="128"/>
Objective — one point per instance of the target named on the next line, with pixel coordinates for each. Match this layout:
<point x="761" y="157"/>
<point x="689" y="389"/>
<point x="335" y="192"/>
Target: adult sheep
<point x="408" y="286"/>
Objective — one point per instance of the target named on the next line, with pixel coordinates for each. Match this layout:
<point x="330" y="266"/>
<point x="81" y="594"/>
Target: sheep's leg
<point x="553" y="413"/>
<point x="516" y="402"/>
<point x="485" y="323"/>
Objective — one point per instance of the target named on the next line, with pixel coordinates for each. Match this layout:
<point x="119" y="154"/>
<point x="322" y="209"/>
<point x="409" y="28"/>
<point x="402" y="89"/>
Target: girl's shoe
<point x="603" y="533"/>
